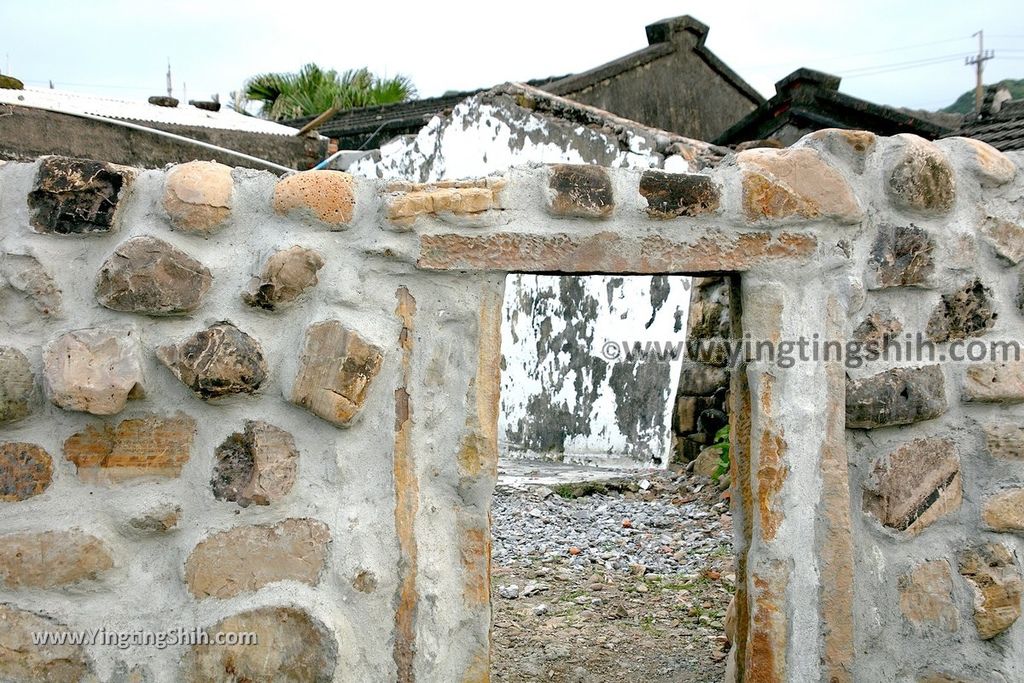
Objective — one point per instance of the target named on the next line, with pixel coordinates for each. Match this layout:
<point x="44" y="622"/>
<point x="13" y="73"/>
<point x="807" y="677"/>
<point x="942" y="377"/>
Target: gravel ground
<point x="626" y="580"/>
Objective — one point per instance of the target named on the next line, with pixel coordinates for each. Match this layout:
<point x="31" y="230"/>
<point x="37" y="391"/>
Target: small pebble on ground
<point x="623" y="580"/>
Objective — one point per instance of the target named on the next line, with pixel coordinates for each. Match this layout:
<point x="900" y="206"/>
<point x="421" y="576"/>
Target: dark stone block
<point x="711" y="421"/>
<point x="899" y="396"/>
<point x="688" y="449"/>
<point x="147" y="275"/>
<point x="877" y="331"/>
<point x="900" y="256"/>
<point x="699" y="438"/>
<point x="685" y="416"/>
<point x="77" y="196"/>
<point x="697" y="379"/>
<point x="708" y="320"/>
<point x="163" y="101"/>
<point x="257" y="466"/>
<point x="580" y="190"/>
<point x="218" y="361"/>
<point x="208" y="105"/>
<point x="967" y="312"/>
<point x="670" y="195"/>
<point x="25" y="471"/>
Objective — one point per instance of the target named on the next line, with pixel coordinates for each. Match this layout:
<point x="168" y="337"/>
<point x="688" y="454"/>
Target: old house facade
<point x="675" y="83"/>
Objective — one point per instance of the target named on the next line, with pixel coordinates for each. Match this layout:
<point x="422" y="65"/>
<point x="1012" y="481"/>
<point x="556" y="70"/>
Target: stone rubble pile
<point x="673" y="527"/>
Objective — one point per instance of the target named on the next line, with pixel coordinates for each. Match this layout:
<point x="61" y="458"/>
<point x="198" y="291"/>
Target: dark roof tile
<point x="1006" y="135"/>
<point x="1003" y="129"/>
<point x="368" y="119"/>
<point x="811" y="99"/>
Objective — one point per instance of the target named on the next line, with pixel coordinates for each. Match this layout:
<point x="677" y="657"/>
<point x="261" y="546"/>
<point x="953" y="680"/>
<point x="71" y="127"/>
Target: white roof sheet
<point x="133" y="110"/>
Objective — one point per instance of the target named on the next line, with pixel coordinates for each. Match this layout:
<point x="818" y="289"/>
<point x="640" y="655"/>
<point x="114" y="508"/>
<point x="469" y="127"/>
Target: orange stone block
<point x="146" y="446"/>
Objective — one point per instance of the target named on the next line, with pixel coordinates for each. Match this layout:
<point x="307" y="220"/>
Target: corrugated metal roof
<point x="132" y="110"/>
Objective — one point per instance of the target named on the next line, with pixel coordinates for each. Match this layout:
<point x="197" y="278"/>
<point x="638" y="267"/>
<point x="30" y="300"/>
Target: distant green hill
<point x="965" y="103"/>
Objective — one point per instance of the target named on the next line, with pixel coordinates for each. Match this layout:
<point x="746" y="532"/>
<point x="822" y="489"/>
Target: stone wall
<point x="246" y="404"/>
<point x="702" y="398"/>
<point x="202" y="375"/>
<point x="27" y="134"/>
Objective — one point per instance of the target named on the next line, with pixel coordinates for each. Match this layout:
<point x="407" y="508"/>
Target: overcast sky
<point x="121" y="47"/>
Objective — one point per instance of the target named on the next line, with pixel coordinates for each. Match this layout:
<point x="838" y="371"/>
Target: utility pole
<point x="979" y="64"/>
<point x="170" y="92"/>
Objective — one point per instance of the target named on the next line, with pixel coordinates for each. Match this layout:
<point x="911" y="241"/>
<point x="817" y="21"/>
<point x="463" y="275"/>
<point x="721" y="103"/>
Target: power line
<point x="955" y="58"/>
<point x="858" y="54"/>
<point x="912" y="62"/>
<point x="855" y="70"/>
<point x="900" y="49"/>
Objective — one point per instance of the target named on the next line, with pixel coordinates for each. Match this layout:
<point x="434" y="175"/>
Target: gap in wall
<point x="611" y="560"/>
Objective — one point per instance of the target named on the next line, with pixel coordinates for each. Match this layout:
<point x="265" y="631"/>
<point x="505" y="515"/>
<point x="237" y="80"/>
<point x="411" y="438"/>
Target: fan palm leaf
<point x="313" y="90"/>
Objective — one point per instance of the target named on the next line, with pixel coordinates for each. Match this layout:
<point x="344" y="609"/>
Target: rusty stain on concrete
<point x="772" y="469"/>
<point x="742" y="504"/>
<point x="767" y="640"/>
<point x="406" y="500"/>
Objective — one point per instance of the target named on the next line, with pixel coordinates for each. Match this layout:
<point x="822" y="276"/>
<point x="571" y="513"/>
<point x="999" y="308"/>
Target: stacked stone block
<point x="931" y="493"/>
<point x="270" y="406"/>
<point x="133" y="456"/>
<point x="702" y="399"/>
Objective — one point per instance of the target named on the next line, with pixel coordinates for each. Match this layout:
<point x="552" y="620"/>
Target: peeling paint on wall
<point x="564" y="395"/>
<point x="561" y="399"/>
<point x="480" y="137"/>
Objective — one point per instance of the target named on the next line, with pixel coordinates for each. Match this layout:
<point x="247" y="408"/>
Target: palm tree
<point x="313" y="90"/>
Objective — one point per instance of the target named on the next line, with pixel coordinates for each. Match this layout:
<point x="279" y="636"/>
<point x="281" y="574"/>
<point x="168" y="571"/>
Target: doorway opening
<point x="612" y="533"/>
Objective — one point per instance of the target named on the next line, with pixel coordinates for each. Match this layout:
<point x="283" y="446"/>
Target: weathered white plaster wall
<point x="569" y="392"/>
<point x="553" y="408"/>
<point x="481" y="137"/>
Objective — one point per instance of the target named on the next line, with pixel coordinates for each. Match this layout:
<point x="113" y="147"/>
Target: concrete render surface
<point x="875" y="532"/>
